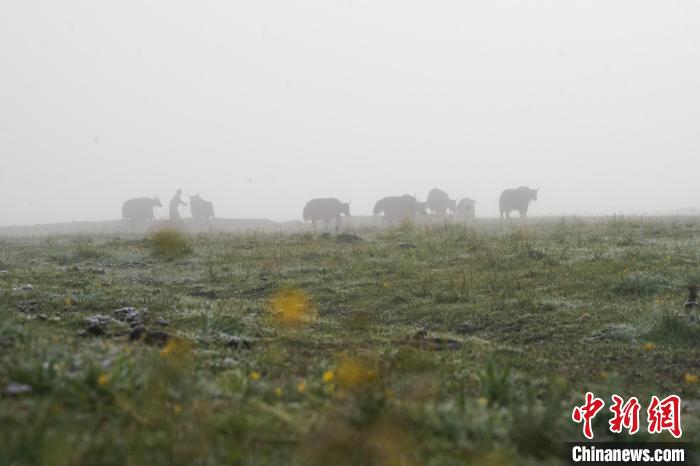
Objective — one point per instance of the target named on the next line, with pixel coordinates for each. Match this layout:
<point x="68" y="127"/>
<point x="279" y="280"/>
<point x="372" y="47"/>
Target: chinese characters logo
<point x="662" y="415"/>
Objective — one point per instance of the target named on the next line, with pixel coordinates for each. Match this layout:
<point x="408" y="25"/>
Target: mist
<point x="260" y="106"/>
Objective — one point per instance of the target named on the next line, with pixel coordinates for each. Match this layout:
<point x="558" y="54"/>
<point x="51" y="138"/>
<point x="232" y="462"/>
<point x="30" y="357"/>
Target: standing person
<point x="176" y="202"/>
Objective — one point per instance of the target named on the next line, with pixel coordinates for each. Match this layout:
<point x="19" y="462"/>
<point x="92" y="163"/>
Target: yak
<point x="399" y="208"/>
<point x="325" y="210"/>
<point x="201" y="209"/>
<point x="140" y="208"/>
<point x="439" y="202"/>
<point x="466" y="208"/>
<point x="516" y="199"/>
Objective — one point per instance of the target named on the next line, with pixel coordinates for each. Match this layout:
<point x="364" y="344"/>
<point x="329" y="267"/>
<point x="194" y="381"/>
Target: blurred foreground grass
<point x="470" y="348"/>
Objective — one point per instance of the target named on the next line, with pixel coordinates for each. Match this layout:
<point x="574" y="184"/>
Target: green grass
<point x="170" y="244"/>
<point x="471" y="348"/>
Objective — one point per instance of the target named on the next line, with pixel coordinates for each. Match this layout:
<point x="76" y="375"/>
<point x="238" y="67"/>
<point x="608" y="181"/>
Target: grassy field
<point x="432" y="345"/>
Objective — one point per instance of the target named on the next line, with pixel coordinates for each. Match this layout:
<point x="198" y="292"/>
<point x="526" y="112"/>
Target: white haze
<point x="261" y="105"/>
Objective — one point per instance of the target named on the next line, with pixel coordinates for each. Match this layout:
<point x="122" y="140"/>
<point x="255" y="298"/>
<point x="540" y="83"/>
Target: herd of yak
<point x="394" y="209"/>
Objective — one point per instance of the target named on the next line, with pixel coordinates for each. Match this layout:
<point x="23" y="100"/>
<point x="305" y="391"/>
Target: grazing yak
<point x="516" y="199"/>
<point x="140" y="209"/>
<point x="201" y="209"/>
<point x="399" y="208"/>
<point x="439" y="202"/>
<point x="466" y="208"/>
<point x="325" y="210"/>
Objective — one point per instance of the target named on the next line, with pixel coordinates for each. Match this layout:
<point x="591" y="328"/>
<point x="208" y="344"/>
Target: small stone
<point x="128" y="314"/>
<point x="161" y="321"/>
<point x="407" y="246"/>
<point x="95" y="330"/>
<point x="4" y="273"/>
<point x="137" y="332"/>
<point x="42" y="317"/>
<point x="27" y="287"/>
<point x="228" y="363"/>
<point x="97" y="319"/>
<point x="14" y="389"/>
<point x="28" y="306"/>
<point x="239" y="343"/>
<point x="156" y="338"/>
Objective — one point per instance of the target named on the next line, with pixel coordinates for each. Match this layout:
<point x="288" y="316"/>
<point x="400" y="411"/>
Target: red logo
<point x="625" y="415"/>
<point x="661" y="415"/>
<point x="587" y="412"/>
<point x="665" y="415"/>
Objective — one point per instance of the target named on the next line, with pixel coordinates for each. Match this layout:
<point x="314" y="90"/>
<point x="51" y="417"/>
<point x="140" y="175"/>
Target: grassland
<point x="432" y="345"/>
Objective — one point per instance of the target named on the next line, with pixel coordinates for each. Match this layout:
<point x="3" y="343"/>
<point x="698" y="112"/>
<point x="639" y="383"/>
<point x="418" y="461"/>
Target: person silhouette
<point x="176" y="202"/>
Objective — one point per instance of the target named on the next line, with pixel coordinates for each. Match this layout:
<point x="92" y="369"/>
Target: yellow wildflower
<point x="352" y="372"/>
<point x="278" y="392"/>
<point x="328" y="376"/>
<point x="255" y="375"/>
<point x="690" y="378"/>
<point x="301" y="388"/>
<point x="177" y="409"/>
<point x="174" y="348"/>
<point x="648" y="346"/>
<point x="103" y="379"/>
<point x="291" y="307"/>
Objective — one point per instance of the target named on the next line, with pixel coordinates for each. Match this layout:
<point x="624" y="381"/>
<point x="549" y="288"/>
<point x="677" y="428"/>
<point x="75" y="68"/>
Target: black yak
<point x="516" y="199"/>
<point x="466" y="208"/>
<point x="325" y="210"/>
<point x="201" y="209"/>
<point x="439" y="202"/>
<point x="140" y="209"/>
<point x="399" y="208"/>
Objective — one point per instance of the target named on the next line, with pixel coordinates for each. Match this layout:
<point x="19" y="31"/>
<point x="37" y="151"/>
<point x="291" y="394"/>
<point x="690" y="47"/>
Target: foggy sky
<point x="261" y="105"/>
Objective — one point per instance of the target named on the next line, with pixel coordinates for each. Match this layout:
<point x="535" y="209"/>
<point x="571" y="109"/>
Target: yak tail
<point x="305" y="214"/>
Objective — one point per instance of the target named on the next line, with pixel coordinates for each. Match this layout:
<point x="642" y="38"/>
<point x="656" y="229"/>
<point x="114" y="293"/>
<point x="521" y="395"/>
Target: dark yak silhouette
<point x="439" y="202"/>
<point x="140" y="209"/>
<point x="201" y="209"/>
<point x="325" y="210"/>
<point x="516" y="199"/>
<point x="399" y="208"/>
